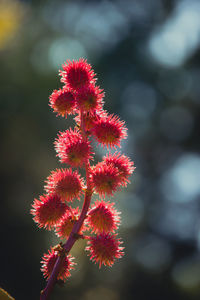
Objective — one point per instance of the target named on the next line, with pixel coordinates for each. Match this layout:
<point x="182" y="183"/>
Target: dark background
<point x="146" y="55"/>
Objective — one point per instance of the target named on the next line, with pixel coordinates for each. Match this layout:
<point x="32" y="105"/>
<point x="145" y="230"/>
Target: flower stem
<point x="45" y="294"/>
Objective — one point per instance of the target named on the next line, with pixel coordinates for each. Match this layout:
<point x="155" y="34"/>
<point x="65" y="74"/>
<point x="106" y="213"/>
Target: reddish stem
<point x="45" y="294"/>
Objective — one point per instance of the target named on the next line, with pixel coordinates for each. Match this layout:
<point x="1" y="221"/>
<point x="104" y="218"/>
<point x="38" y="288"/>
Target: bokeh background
<point x="146" y="55"/>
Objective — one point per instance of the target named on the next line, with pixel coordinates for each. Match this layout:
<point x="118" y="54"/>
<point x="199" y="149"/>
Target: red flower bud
<point x="109" y="131"/>
<point x="90" y="119"/>
<point x="62" y="102"/>
<point x="49" y="260"/>
<point x="89" y="98"/>
<point x="103" y="217"/>
<point x="104" y="249"/>
<point x="48" y="210"/>
<point x="72" y="148"/>
<point x="77" y="74"/>
<point x="64" y="227"/>
<point x="105" y="179"/>
<point x="66" y="183"/>
<point x="124" y="165"/>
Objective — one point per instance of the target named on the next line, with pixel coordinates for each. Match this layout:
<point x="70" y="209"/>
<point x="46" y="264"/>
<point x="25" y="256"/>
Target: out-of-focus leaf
<point x="4" y="295"/>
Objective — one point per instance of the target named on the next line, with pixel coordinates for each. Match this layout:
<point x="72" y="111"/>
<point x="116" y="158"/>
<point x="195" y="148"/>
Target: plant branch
<point x="45" y="294"/>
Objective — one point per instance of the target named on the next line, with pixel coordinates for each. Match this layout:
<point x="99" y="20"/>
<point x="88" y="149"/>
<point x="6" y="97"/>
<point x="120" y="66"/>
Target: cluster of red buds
<point x="81" y="97"/>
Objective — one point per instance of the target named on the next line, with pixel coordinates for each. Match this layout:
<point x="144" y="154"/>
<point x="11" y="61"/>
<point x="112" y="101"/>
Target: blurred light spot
<point x="152" y="253"/>
<point x="112" y="275"/>
<point x="133" y="211"/>
<point x="98" y="26"/>
<point x="11" y="13"/>
<point x="129" y="145"/>
<point x="61" y="15"/>
<point x="175" y="84"/>
<point x="198" y="234"/>
<point x="181" y="182"/>
<point x="49" y="55"/>
<point x="173" y="219"/>
<point x="187" y="274"/>
<point x="101" y="20"/>
<point x="62" y="48"/>
<point x="139" y="103"/>
<point x="102" y="151"/>
<point x="139" y="100"/>
<point x="39" y="56"/>
<point x="100" y="293"/>
<point x="176" y="123"/>
<point x="195" y="86"/>
<point x="140" y="11"/>
<point x="179" y="37"/>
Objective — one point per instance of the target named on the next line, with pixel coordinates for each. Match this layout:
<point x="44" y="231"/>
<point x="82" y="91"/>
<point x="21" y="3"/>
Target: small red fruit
<point x="105" y="179"/>
<point x="77" y="74"/>
<point x="124" y="165"/>
<point x="49" y="260"/>
<point x="102" y="217"/>
<point x="64" y="227"/>
<point x="62" y="102"/>
<point x="109" y="131"/>
<point x="66" y="183"/>
<point x="89" y="98"/>
<point x="48" y="210"/>
<point x="72" y="149"/>
<point x="104" y="249"/>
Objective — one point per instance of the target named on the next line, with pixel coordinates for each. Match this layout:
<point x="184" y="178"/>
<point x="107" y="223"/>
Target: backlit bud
<point x="72" y="149"/>
<point x="124" y="165"/>
<point x="66" y="183"/>
<point x="104" y="249"/>
<point x="48" y="210"/>
<point x="62" y="102"/>
<point x="109" y="131"/>
<point x="49" y="260"/>
<point x="105" y="179"/>
<point x="77" y="74"/>
<point x="103" y="217"/>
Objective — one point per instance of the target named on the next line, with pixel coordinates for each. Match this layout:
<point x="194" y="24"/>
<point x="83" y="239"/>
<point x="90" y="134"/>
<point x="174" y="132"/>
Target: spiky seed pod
<point x="66" y="183"/>
<point x="89" y="98"/>
<point x="123" y="163"/>
<point x="62" y="102"/>
<point x="109" y="131"/>
<point x="105" y="179"/>
<point x="90" y="119"/>
<point x="49" y="260"/>
<point x="72" y="149"/>
<point x="77" y="74"/>
<point x="64" y="227"/>
<point x="102" y="217"/>
<point x="104" y="249"/>
<point x="48" y="210"/>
